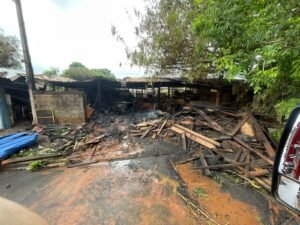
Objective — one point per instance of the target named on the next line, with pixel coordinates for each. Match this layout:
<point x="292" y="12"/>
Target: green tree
<point x="165" y="41"/>
<point x="105" y="73"/>
<point x="51" y="72"/>
<point x="76" y="65"/>
<point x="78" y="71"/>
<point x="9" y="51"/>
<point x="256" y="40"/>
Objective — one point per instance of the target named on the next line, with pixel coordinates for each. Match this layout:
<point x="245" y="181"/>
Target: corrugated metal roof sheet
<point x="13" y="143"/>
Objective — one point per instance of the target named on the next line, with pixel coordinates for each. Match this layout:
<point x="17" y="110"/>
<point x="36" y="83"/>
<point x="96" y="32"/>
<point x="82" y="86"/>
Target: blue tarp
<point x="13" y="143"/>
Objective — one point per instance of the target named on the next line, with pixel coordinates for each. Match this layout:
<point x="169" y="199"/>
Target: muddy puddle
<point x="220" y="205"/>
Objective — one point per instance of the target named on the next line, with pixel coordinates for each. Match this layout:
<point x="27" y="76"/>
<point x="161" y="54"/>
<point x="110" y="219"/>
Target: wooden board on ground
<point x="193" y="137"/>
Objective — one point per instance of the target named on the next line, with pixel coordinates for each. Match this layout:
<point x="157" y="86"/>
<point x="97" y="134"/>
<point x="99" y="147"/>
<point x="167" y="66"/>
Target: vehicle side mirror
<point x="286" y="171"/>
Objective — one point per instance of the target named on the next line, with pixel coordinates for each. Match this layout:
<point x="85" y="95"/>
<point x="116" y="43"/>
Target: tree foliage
<point x="105" y="73"/>
<point x="256" y="40"/>
<point x="78" y="71"/>
<point x="9" y="51"/>
<point x="51" y="72"/>
<point x="76" y="65"/>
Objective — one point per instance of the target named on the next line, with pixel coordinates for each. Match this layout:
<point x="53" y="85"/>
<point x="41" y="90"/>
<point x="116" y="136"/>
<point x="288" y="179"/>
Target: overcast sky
<point x="62" y="31"/>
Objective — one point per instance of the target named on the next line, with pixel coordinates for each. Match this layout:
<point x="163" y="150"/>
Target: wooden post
<point x="218" y="97"/>
<point x="99" y="94"/>
<point x="27" y="59"/>
<point x="158" y="96"/>
<point x="169" y="92"/>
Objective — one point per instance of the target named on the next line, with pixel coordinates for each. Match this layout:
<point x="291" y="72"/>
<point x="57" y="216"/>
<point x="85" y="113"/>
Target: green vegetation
<point x="219" y="180"/>
<point x="256" y="40"/>
<point x="9" y="51"/>
<point x="276" y="134"/>
<point x="26" y="153"/>
<point x="78" y="71"/>
<point x="201" y="193"/>
<point x="36" y="165"/>
<point x="51" y="72"/>
<point x="284" y="108"/>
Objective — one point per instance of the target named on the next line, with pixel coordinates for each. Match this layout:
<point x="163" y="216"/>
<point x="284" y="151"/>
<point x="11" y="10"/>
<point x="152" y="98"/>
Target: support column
<point x="27" y="59"/>
<point x="158" y="96"/>
<point x="99" y="94"/>
<point x="218" y="96"/>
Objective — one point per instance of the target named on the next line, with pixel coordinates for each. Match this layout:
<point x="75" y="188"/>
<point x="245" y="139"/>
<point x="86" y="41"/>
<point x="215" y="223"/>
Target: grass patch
<point x="26" y="153"/>
<point x="219" y="180"/>
<point x="37" y="165"/>
<point x="201" y="193"/>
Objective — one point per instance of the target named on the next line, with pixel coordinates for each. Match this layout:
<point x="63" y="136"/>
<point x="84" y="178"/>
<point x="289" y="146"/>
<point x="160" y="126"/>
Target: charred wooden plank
<point x="263" y="184"/>
<point x="162" y="126"/>
<point x="95" y="140"/>
<point x="206" y="172"/>
<point x="193" y="137"/>
<point x="233" y="114"/>
<point x="83" y="163"/>
<point x="259" y="154"/>
<point x="243" y="157"/>
<point x="147" y="132"/>
<point x="203" y="123"/>
<point x="94" y="150"/>
<point x="27" y="159"/>
<point x="220" y="166"/>
<point x="238" y="155"/>
<point x="247" y="168"/>
<point x="210" y="140"/>
<point x="210" y="120"/>
<point x="188" y="160"/>
<point x="262" y="137"/>
<point x="259" y="172"/>
<point x="183" y="141"/>
<point x="238" y="126"/>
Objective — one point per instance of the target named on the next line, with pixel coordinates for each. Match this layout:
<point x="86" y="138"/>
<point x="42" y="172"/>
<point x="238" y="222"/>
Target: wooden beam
<point x="203" y="123"/>
<point x="259" y="172"/>
<point x="238" y="127"/>
<point x="206" y="172"/>
<point x="198" y="135"/>
<point x="28" y="159"/>
<point x="262" y="137"/>
<point x="162" y="126"/>
<point x="239" y="141"/>
<point x="208" y="119"/>
<point x="183" y="141"/>
<point x="229" y="165"/>
<point x="193" y="137"/>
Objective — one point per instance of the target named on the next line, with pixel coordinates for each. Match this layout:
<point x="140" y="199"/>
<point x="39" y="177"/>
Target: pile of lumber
<point x="216" y="140"/>
<point x="153" y="128"/>
<point x="229" y="141"/>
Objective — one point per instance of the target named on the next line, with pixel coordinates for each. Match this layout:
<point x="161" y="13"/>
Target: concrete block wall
<point x="69" y="107"/>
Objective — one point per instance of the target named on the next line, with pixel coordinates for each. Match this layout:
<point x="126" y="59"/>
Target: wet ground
<point x="138" y="191"/>
<point x="144" y="190"/>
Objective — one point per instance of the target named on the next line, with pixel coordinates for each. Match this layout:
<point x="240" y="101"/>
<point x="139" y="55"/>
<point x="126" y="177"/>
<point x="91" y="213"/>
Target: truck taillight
<point x="291" y="165"/>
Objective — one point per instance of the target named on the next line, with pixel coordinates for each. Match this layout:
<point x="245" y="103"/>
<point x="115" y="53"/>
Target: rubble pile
<point x="215" y="139"/>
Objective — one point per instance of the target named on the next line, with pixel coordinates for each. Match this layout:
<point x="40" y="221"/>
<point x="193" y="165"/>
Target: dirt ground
<point x="145" y="190"/>
<point x="139" y="191"/>
<point x="221" y="205"/>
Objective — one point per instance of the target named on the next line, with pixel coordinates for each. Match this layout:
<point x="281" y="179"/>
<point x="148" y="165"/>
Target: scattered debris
<point x="212" y="138"/>
<point x="216" y="140"/>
